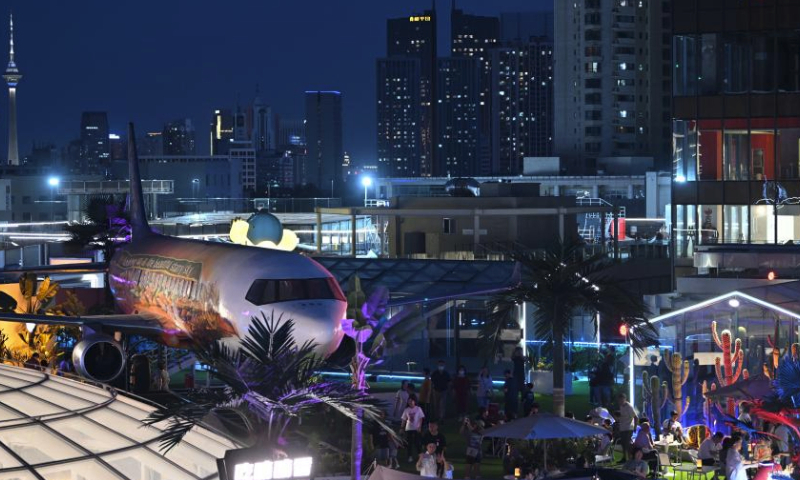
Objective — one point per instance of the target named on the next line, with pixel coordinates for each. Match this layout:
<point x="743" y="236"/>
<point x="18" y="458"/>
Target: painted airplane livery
<point x="171" y="288"/>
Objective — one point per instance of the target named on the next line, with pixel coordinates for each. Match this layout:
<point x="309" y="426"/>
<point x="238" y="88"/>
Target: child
<point x="392" y="461"/>
<point x="527" y="402"/>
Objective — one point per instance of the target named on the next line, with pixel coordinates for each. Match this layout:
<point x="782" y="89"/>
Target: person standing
<point x="518" y="359"/>
<point x="400" y="399"/>
<point x="434" y="436"/>
<point x="424" y="396"/>
<point x="485" y="388"/>
<point x="428" y="462"/>
<point x="412" y="426"/>
<point x="626" y="419"/>
<point x="474" y="454"/>
<point x="440" y="380"/>
<point x="511" y="394"/>
<point x="162" y="378"/>
<point x="380" y="443"/>
<point x="461" y="390"/>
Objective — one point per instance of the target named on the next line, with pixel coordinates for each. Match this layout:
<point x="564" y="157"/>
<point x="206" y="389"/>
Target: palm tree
<point x="105" y="226"/>
<point x="560" y="283"/>
<point x="269" y="381"/>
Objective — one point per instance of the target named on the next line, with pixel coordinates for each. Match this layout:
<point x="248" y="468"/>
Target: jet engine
<point x="98" y="358"/>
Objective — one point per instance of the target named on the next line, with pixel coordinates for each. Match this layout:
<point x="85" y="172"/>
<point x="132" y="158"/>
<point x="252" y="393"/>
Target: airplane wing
<point x="138" y="324"/>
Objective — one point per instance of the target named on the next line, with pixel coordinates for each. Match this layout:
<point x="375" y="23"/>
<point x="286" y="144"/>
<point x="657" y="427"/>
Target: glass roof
<point x="53" y="428"/>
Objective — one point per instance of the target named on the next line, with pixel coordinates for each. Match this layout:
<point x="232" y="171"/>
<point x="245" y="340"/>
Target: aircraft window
<point x="264" y="291"/>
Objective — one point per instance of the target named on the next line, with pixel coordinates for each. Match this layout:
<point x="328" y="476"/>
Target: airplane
<point x="170" y="288"/>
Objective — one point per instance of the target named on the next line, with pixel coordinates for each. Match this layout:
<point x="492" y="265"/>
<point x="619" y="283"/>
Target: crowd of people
<point x="444" y="397"/>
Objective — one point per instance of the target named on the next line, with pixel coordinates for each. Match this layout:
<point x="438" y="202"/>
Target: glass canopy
<point x="688" y="332"/>
<point x="53" y="428"/>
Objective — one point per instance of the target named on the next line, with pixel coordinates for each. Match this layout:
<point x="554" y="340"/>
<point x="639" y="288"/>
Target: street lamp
<point x="53" y="182"/>
<point x="367" y="182"/>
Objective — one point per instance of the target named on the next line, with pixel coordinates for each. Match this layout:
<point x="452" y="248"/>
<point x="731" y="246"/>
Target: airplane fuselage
<point x="190" y="285"/>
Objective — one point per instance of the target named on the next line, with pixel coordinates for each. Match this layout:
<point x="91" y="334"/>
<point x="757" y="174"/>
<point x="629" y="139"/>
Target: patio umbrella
<point x="544" y="426"/>
<point x="757" y="386"/>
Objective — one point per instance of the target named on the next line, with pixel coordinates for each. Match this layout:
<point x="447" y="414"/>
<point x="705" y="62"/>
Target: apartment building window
<point x="447" y="225"/>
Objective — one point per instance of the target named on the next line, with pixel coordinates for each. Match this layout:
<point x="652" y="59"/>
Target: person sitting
<point x="673" y="427"/>
<point x="710" y="448"/>
<point x="734" y="463"/>
<point x="644" y="442"/>
<point x="637" y="465"/>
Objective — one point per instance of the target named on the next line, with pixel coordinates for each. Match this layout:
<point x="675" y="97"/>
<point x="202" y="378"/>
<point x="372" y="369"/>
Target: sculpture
<point x="730" y="367"/>
<point x="679" y="369"/>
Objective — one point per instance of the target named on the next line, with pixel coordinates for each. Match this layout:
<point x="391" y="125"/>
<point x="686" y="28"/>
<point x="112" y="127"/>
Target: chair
<point x="606" y="455"/>
<point x="663" y="464"/>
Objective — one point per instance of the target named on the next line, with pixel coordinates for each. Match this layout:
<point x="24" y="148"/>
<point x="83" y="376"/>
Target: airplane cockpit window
<point x="264" y="291"/>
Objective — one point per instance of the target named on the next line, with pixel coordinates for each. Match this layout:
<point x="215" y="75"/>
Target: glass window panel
<point x="736" y="63"/>
<point x="29" y="405"/>
<point x="684" y="150"/>
<point x="737" y="225"/>
<point x="122" y="405"/>
<point x="87" y="392"/>
<point x="9" y="382"/>
<point x="63" y="400"/>
<point x="89" y="435"/>
<point x="709" y="149"/>
<point x="685" y="230"/>
<point x="763" y="62"/>
<point x="209" y="442"/>
<point x="85" y="470"/>
<point x="711" y="218"/>
<point x="35" y="444"/>
<point x="736" y="150"/>
<point x="709" y="81"/>
<point x="788" y="61"/>
<point x="18" y="475"/>
<point x="192" y="459"/>
<point x="145" y="465"/>
<point x="124" y="425"/>
<point x="762" y="148"/>
<point x="684" y="73"/>
<point x="788" y="148"/>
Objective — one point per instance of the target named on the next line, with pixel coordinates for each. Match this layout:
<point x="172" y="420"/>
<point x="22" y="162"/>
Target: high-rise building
<point x="179" y="137"/>
<point x="458" y="117"/>
<point x="612" y="97"/>
<point x="736" y="131"/>
<point x="221" y="131"/>
<point x="151" y="144"/>
<point x="474" y="36"/>
<point x="415" y="37"/>
<point x="399" y="132"/>
<point x="95" y="152"/>
<point x="291" y="134"/>
<point x="117" y="147"/>
<point x="521" y="26"/>
<point x="12" y="78"/>
<point x="263" y="133"/>
<point x="522" y="104"/>
<point x="324" y="140"/>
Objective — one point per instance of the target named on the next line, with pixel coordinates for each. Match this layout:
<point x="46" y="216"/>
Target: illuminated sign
<point x="257" y="463"/>
<point x="425" y="18"/>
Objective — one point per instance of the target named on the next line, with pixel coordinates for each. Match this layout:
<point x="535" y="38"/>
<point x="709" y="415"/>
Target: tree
<point x="270" y="383"/>
<point x="560" y="283"/>
<point x="105" y="226"/>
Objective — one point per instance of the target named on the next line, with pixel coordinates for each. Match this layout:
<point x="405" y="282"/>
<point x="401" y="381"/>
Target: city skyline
<point x="113" y="67"/>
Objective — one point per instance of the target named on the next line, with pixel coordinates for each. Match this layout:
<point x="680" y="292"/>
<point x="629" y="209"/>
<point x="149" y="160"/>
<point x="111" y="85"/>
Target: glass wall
<point x="736" y="63"/>
<point x="684" y="51"/>
<point x="788" y="61"/>
<point x="685" y="233"/>
<point x="736" y="226"/>
<point x="684" y="150"/>
<point x="763" y="62"/>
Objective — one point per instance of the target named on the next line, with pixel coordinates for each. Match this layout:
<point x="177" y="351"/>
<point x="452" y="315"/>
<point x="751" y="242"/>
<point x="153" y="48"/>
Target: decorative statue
<point x="654" y="397"/>
<point x="679" y="369"/>
<point x="730" y="367"/>
<point x="707" y="414"/>
<point x="770" y="371"/>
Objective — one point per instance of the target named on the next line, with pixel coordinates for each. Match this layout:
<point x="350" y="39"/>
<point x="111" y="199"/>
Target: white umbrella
<point x="543" y="426"/>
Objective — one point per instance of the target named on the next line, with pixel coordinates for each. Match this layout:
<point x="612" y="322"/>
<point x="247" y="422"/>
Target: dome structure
<point x="58" y="429"/>
<point x="264" y="226"/>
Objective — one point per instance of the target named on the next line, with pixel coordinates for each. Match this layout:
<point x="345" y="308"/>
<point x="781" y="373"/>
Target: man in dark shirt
<point x="380" y="444"/>
<point x="511" y="396"/>
<point x="440" y="380"/>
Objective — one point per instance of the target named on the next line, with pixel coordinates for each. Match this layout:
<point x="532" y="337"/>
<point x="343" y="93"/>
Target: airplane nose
<point x="319" y="321"/>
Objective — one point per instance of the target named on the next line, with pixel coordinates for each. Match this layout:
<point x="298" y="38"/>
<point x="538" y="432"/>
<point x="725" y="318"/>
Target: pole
<point x="365" y="195"/>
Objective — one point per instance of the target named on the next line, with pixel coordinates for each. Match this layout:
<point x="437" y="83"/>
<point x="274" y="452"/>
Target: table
<point x="666" y="446"/>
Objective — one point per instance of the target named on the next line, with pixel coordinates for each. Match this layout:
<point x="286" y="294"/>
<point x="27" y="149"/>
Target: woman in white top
<point x="734" y="464"/>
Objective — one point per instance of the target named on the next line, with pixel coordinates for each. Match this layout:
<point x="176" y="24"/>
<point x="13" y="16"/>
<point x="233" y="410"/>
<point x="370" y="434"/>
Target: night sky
<point x="152" y="61"/>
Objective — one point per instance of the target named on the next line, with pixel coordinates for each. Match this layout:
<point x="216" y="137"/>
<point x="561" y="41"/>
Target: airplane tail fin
<point x="139" y="224"/>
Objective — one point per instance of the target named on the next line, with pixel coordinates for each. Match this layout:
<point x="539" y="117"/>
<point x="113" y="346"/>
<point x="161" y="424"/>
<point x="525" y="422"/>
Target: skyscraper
<point x="324" y="140"/>
<point x="12" y="78"/>
<point x="263" y="133"/>
<point x="179" y="137"/>
<point x="415" y="37"/>
<point x="95" y="152"/>
<point x="221" y="131"/>
<point x="458" y="117"/>
<point x="399" y="132"/>
<point x="612" y="97"/>
<point x="474" y="36"/>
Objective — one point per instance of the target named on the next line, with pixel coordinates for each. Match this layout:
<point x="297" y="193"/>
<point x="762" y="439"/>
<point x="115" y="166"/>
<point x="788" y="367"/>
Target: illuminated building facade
<point x="221" y="131"/>
<point x="474" y="36"/>
<point x="458" y="117"/>
<point x="95" y="151"/>
<point x="325" y="152"/>
<point x="415" y="37"/>
<point x="399" y="132"/>
<point x="12" y="78"/>
<point x="179" y="137"/>
<point x="612" y="98"/>
<point x="736" y="125"/>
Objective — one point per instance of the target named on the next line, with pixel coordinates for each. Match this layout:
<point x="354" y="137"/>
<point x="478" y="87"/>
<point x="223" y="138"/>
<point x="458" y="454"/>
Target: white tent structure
<point x="53" y="428"/>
